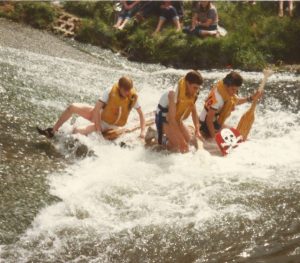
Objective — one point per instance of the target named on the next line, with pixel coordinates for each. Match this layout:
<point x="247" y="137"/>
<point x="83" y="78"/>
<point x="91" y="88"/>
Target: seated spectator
<point x="152" y="8"/>
<point x="129" y="8"/>
<point x="147" y="9"/>
<point x="167" y="13"/>
<point x="205" y="20"/>
<point x="290" y="8"/>
<point x="179" y="8"/>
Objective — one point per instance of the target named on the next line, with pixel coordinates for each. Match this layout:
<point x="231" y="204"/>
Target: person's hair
<point x="194" y="77"/>
<point x="233" y="79"/>
<point x="204" y="9"/>
<point x="125" y="82"/>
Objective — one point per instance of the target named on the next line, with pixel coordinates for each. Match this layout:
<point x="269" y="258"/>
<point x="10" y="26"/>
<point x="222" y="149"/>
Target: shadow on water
<point x="23" y="177"/>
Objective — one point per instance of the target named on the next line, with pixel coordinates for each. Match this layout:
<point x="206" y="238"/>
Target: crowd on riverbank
<point x="256" y="34"/>
<point x="204" y="21"/>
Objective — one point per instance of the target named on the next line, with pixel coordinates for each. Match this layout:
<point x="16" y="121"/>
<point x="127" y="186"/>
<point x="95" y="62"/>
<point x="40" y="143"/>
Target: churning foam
<point x="120" y="189"/>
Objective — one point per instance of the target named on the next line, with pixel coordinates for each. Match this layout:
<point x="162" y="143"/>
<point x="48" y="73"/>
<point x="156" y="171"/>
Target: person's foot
<point x="49" y="133"/>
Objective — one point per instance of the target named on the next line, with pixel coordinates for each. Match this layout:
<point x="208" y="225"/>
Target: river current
<point x="83" y="199"/>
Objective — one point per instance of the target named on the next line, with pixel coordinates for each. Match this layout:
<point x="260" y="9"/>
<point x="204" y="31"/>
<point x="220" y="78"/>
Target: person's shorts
<point x="169" y="14"/>
<point x="105" y="126"/>
<point x="159" y="121"/>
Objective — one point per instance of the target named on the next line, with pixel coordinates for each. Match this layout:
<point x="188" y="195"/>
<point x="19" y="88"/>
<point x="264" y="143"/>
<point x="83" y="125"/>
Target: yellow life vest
<point x="229" y="102"/>
<point x="184" y="103"/>
<point x="117" y="109"/>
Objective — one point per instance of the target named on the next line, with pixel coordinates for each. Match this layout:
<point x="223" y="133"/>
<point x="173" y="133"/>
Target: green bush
<point x="256" y="35"/>
<point x="36" y="14"/>
<point x="101" y="10"/>
<point x="82" y="9"/>
<point x="141" y="46"/>
<point x="96" y="32"/>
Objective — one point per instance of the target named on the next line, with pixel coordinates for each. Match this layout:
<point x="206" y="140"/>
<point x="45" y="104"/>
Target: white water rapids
<point x="135" y="205"/>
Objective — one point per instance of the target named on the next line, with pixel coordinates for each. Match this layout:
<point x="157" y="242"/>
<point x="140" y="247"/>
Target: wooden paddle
<point x="247" y="119"/>
<point x="114" y="134"/>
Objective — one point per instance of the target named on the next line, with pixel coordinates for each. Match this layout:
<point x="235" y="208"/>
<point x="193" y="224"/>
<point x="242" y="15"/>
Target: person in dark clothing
<point x="147" y="9"/>
<point x="129" y="8"/>
<point x="167" y="13"/>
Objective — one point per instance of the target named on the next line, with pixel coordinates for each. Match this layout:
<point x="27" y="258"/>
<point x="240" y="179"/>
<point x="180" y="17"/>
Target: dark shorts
<point x="204" y="129"/>
<point x="169" y="14"/>
<point x="159" y="121"/>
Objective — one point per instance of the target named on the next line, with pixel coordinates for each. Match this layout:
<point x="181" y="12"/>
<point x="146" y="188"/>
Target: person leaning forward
<point x="110" y="112"/>
<point x="174" y="107"/>
<point x="220" y="102"/>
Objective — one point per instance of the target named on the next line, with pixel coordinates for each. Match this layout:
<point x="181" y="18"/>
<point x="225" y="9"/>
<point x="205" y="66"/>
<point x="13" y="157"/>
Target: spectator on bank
<point x="204" y="20"/>
<point x="147" y="9"/>
<point x="129" y="8"/>
<point x="290" y="7"/>
<point x="152" y="9"/>
<point x="167" y="13"/>
<point x="179" y="8"/>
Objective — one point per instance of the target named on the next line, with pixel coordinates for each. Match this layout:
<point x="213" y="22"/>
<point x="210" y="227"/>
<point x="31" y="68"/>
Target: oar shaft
<point x="113" y="134"/>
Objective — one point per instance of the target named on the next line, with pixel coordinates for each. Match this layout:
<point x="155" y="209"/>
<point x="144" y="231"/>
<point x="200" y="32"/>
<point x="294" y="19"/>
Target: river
<point x="62" y="202"/>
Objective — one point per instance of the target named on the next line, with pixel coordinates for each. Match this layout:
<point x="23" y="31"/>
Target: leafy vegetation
<point x="256" y="35"/>
<point x="37" y="14"/>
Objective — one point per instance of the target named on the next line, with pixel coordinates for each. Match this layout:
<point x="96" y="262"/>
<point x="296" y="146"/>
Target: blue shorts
<point x="169" y="14"/>
<point x="127" y="14"/>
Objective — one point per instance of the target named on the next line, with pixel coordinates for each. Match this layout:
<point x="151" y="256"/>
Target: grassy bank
<point x="37" y="14"/>
<point x="256" y="35"/>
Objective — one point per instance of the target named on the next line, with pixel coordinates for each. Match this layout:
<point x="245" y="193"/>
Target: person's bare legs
<point x="280" y="12"/>
<point x="177" y="24"/>
<point x="119" y="22"/>
<point x="161" y="21"/>
<point x="176" y="140"/>
<point x="291" y="7"/>
<point x="123" y="24"/>
<point x="189" y="135"/>
<point x="206" y="33"/>
<point x="83" y="110"/>
<point x="85" y="130"/>
<point x="185" y="132"/>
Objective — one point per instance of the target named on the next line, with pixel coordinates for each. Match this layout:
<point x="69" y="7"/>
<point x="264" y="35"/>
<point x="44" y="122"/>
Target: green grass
<point x="256" y="35"/>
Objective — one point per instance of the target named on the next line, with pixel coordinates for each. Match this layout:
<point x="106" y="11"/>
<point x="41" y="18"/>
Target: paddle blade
<point x="247" y="119"/>
<point x="246" y="122"/>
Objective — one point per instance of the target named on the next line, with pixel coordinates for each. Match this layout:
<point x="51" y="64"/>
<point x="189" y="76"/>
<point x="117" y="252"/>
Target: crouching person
<point x="220" y="102"/>
<point x="110" y="112"/>
<point x="174" y="107"/>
